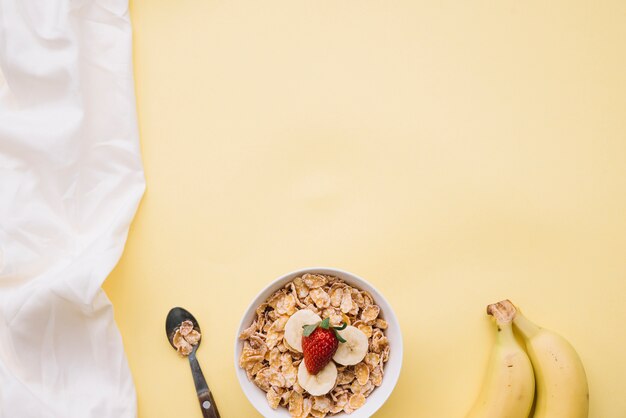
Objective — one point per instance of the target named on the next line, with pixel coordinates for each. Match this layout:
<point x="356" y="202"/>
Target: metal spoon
<point x="175" y="317"/>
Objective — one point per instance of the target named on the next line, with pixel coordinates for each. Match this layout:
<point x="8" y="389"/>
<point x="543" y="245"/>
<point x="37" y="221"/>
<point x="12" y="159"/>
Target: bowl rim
<point x="389" y="385"/>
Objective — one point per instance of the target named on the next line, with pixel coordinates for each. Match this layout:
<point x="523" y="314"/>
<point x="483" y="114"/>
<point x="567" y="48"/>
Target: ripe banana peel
<point x="509" y="383"/>
<point x="562" y="390"/>
<point x="550" y="365"/>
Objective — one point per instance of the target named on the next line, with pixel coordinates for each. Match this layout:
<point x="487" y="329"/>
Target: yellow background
<point x="452" y="153"/>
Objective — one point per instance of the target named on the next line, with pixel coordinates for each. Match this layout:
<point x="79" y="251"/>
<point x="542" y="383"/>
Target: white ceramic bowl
<point x="392" y="368"/>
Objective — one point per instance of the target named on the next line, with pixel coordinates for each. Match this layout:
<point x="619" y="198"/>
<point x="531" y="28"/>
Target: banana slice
<point x="293" y="327"/>
<point x="318" y="384"/>
<point x="354" y="349"/>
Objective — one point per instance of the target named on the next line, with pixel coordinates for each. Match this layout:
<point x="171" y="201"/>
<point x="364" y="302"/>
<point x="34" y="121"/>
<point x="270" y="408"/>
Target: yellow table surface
<point x="451" y="153"/>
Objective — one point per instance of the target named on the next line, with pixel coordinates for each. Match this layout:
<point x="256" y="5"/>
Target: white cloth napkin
<point x="70" y="182"/>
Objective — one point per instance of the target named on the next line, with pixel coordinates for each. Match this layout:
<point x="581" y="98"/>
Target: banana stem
<point x="526" y="327"/>
<point x="505" y="333"/>
<point x="504" y="312"/>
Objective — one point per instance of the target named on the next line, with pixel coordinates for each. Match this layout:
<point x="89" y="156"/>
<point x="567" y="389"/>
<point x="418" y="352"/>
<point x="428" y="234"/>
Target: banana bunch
<point x="549" y="372"/>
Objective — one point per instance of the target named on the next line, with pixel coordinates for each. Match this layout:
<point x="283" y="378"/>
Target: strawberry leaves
<point x="335" y="329"/>
<point x="308" y="329"/>
<point x="325" y="324"/>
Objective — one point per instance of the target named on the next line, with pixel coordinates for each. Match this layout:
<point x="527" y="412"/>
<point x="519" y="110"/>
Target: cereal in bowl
<point x="317" y="347"/>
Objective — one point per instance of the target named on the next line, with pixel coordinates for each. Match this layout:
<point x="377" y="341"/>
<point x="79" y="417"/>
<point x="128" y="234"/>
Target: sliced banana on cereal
<point x="354" y="349"/>
<point x="293" y="327"/>
<point x="320" y="383"/>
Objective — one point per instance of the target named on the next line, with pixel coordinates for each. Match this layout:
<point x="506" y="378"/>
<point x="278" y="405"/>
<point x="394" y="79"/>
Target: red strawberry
<point x="319" y="343"/>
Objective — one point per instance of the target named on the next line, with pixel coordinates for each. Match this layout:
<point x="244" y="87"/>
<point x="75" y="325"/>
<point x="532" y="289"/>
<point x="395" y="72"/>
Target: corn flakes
<point x="273" y="366"/>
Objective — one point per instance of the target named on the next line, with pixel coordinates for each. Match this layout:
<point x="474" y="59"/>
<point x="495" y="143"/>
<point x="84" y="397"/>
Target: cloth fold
<point x="71" y="179"/>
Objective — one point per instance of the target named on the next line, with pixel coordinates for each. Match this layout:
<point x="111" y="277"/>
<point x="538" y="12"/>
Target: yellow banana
<point x="562" y="390"/>
<point x="509" y="384"/>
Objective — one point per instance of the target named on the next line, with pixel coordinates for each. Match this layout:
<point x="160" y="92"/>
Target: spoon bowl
<point x="175" y="317"/>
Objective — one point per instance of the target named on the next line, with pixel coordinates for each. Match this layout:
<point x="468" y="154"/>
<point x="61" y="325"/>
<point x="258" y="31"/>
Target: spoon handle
<point x="207" y="403"/>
